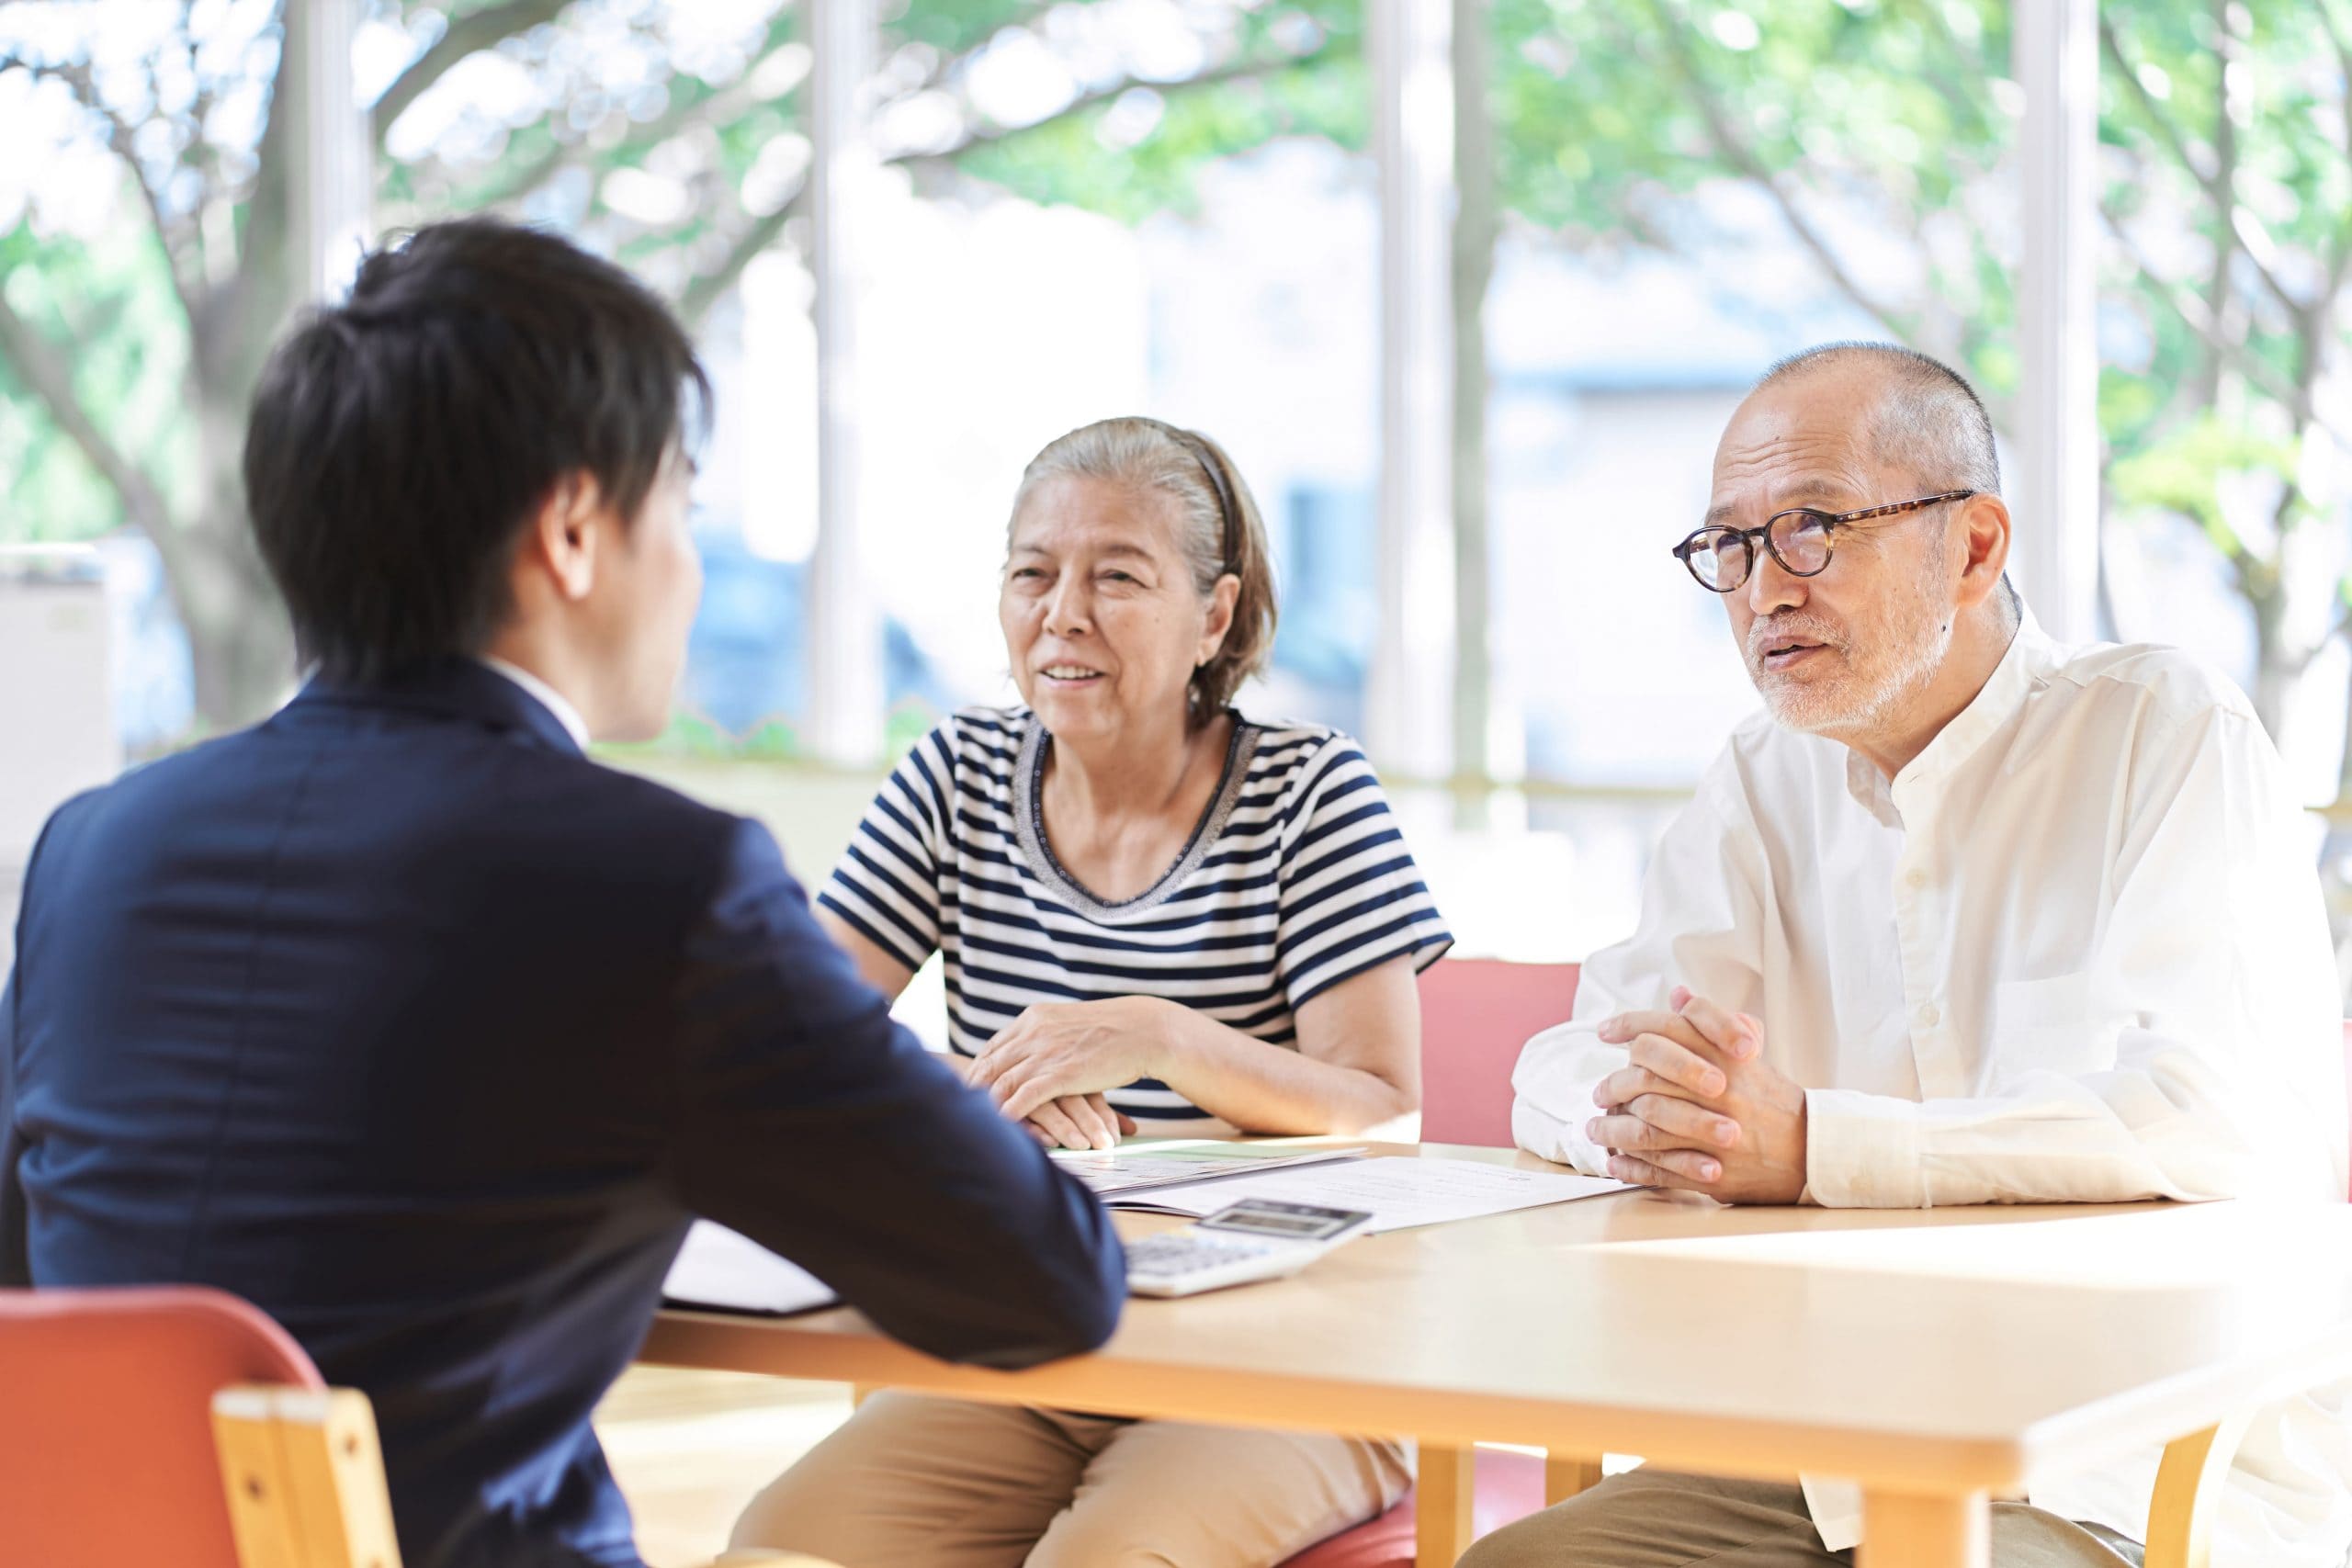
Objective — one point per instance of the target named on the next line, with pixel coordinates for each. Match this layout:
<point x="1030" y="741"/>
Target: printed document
<point x="1400" y="1191"/>
<point x="719" y="1268"/>
<point x="1134" y="1167"/>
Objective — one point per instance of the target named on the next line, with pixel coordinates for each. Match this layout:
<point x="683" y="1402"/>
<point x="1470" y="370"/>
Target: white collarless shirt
<point x="2074" y="952"/>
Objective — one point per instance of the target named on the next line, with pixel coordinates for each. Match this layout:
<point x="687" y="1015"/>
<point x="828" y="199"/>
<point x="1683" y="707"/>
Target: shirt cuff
<point x="1546" y="1136"/>
<point x="1862" y="1151"/>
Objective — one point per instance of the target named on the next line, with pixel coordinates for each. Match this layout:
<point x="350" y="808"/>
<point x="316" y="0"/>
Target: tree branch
<point x="2223" y="189"/>
<point x="82" y="82"/>
<point x="2343" y="45"/>
<point x="707" y="289"/>
<point x="1966" y="109"/>
<point x="2214" y="173"/>
<point x="2193" y="316"/>
<point x="2340" y="258"/>
<point x="1743" y="158"/>
<point x="686" y="109"/>
<point x="2166" y="131"/>
<point x="43" y="368"/>
<point x="467" y="34"/>
<point x="2251" y="245"/>
<point x="2341" y="626"/>
<point x="982" y="135"/>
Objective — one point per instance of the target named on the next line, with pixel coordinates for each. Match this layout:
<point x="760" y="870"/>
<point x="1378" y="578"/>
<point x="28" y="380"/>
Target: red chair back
<point x="106" y="1422"/>
<point x="1476" y="1014"/>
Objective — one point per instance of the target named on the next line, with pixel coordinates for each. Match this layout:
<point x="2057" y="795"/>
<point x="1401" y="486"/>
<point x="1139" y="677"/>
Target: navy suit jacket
<point x="400" y="1017"/>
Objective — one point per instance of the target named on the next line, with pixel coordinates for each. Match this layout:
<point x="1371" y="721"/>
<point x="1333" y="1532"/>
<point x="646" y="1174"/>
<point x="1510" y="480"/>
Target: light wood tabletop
<point x="1935" y="1356"/>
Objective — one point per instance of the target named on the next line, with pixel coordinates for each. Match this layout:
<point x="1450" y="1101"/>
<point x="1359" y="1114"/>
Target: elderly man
<point x="1967" y="917"/>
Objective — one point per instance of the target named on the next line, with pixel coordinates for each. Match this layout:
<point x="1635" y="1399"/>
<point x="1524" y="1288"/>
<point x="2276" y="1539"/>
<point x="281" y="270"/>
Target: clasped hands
<point x="1696" y="1107"/>
<point x="1048" y="1070"/>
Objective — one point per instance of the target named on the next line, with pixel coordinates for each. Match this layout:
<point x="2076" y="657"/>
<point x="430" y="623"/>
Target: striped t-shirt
<point x="1294" y="880"/>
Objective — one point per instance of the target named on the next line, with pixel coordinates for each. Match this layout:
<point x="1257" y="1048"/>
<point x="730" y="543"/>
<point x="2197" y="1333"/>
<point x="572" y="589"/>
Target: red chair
<point x="1510" y="1487"/>
<point x="1476" y="1014"/>
<point x="177" y="1424"/>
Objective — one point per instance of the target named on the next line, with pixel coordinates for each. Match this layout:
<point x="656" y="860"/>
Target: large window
<point x="1124" y="208"/>
<point x="2224" y="182"/>
<point x="1233" y="213"/>
<point x="1762" y="179"/>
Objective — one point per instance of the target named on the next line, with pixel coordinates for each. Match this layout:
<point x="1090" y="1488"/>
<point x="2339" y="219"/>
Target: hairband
<point x="1228" y="515"/>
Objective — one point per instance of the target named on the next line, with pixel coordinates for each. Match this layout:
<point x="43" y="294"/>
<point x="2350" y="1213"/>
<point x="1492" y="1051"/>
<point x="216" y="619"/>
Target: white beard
<point x="1853" y="704"/>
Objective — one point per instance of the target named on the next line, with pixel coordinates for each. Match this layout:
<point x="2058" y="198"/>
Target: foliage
<point x="1861" y="123"/>
<point x="667" y="135"/>
<point x="112" y="298"/>
<point x="1880" y="133"/>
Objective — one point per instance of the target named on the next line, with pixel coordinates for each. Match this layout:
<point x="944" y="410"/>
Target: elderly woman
<point x="1155" y="913"/>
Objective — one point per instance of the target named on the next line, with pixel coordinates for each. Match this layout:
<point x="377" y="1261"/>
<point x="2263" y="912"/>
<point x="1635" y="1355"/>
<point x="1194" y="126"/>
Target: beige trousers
<point x="1647" y="1518"/>
<point x="911" y="1481"/>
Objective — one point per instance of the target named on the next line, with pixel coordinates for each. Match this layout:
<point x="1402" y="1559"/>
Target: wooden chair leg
<point x="1444" y="1485"/>
<point x="1565" y="1477"/>
<point x="1913" y="1530"/>
<point x="304" y="1478"/>
<point x="2189" y="1487"/>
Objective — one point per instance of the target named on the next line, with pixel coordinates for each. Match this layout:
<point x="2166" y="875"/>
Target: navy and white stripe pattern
<point x="1295" y="880"/>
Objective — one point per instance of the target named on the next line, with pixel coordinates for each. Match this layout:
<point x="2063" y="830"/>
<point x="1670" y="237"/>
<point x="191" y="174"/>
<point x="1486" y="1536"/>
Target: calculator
<point x="1254" y="1239"/>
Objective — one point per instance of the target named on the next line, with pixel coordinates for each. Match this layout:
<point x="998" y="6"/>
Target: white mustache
<point x="1766" y="634"/>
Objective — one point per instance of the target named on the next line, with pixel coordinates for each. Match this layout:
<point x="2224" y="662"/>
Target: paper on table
<point x="719" y="1268"/>
<point x="1178" y="1162"/>
<point x="1400" y="1191"/>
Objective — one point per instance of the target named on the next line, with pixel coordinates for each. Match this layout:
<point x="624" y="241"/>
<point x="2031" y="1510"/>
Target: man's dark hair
<point x="402" y="440"/>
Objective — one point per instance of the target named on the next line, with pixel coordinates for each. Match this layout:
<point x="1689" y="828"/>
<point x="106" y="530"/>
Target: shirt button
<point x="1915" y="879"/>
<point x="1928" y="1015"/>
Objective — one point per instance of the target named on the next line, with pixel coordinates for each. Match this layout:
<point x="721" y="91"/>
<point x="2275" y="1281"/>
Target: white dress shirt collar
<point x="546" y="696"/>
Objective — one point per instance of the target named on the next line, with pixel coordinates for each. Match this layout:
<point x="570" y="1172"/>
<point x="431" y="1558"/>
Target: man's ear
<point x="565" y="536"/>
<point x="1984" y="535"/>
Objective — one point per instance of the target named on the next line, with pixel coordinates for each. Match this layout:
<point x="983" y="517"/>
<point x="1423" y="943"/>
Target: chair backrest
<point x="1476" y="1014"/>
<point x="106" y="1453"/>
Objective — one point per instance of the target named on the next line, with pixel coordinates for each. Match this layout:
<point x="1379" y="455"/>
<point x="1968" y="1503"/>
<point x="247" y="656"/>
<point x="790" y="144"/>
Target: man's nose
<point x="1771" y="587"/>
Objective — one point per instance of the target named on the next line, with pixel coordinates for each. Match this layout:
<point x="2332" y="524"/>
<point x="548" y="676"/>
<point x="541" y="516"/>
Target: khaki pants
<point x="915" y="1482"/>
<point x="1647" y="1518"/>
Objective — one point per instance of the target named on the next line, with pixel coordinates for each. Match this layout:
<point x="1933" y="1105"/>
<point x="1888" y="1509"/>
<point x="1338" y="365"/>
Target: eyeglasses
<point x="1799" y="539"/>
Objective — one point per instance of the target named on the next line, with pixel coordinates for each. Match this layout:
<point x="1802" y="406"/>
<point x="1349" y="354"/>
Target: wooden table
<point x="1935" y="1356"/>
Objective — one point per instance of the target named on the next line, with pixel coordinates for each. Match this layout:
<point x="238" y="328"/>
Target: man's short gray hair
<point x="1928" y="420"/>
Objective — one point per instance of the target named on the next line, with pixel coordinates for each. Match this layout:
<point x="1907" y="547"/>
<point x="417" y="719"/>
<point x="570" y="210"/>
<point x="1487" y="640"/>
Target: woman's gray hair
<point x="1220" y="529"/>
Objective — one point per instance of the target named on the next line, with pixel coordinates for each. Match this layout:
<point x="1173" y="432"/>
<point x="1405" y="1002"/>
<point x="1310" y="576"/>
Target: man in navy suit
<point x="401" y="1018"/>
